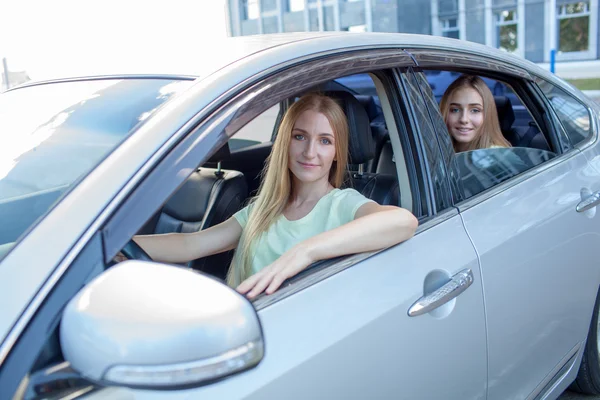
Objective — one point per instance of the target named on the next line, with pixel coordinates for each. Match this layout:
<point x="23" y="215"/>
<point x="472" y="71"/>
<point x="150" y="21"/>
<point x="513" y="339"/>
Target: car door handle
<point x="458" y="284"/>
<point x="591" y="201"/>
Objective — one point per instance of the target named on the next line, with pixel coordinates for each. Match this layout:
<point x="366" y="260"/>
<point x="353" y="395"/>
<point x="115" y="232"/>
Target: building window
<point x="448" y="6"/>
<point x="356" y="28"/>
<point x="295" y="5"/>
<point x="250" y="9"/>
<point x="574" y="27"/>
<point x="506" y="30"/>
<point x="450" y="27"/>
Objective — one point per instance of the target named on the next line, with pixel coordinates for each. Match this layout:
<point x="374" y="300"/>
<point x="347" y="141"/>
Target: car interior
<point x="377" y="167"/>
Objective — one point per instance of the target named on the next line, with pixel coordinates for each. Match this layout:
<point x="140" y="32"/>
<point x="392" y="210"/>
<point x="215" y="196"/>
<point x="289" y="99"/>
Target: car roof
<point x="221" y="53"/>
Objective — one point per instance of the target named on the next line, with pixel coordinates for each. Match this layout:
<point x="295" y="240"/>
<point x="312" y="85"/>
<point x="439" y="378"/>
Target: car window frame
<point x="556" y="119"/>
<point x="250" y="99"/>
<point x="446" y="155"/>
<point x="495" y="69"/>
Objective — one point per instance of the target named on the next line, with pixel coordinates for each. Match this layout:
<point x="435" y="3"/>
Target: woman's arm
<point x="374" y="227"/>
<point x="184" y="247"/>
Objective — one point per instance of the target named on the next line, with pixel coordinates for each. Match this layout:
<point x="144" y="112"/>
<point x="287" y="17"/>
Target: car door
<point x="343" y="330"/>
<point x="537" y="253"/>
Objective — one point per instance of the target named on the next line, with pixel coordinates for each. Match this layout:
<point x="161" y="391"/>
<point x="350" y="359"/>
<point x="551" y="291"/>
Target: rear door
<point x="538" y="254"/>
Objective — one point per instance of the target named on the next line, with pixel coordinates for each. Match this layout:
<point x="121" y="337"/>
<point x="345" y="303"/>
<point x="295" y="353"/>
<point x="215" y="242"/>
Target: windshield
<point x="52" y="135"/>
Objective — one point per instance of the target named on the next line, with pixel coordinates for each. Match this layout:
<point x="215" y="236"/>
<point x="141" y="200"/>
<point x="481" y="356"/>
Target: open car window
<point x="527" y="141"/>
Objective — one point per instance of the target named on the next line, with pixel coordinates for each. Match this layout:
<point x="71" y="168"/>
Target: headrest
<point x="368" y="102"/>
<point x="221" y="154"/>
<point x="506" y="115"/>
<point x="361" y="146"/>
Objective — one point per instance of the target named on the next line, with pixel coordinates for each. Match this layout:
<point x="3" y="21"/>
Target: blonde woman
<point x="300" y="214"/>
<point x="469" y="110"/>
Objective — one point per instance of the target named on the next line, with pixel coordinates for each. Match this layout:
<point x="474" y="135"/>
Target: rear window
<point x="52" y="135"/>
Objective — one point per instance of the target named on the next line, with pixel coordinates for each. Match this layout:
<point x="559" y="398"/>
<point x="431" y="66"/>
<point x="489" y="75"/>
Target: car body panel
<point x="373" y="337"/>
<point x="538" y="300"/>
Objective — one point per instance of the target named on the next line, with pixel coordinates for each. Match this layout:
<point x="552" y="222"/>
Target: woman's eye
<point x="476" y="110"/>
<point x="299" y="137"/>
<point x="454" y="110"/>
<point x="325" y="141"/>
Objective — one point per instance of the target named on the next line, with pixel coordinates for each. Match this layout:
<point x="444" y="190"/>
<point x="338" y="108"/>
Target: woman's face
<point x="465" y="115"/>
<point x="312" y="147"/>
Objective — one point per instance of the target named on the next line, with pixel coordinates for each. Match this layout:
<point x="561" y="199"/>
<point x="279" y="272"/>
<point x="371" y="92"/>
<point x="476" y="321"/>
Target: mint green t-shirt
<point x="336" y="208"/>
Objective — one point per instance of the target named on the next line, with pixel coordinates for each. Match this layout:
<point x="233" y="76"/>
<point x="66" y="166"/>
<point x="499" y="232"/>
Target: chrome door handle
<point x="458" y="284"/>
<point x="589" y="202"/>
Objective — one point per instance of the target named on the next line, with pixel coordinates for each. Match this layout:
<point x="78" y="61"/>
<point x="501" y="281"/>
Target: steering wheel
<point x="133" y="251"/>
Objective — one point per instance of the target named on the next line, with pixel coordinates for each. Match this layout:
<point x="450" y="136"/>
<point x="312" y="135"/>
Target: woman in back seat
<point x="469" y="110"/>
<point x="300" y="214"/>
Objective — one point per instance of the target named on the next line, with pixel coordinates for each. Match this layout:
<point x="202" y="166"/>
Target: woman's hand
<point x="271" y="277"/>
<point x="375" y="227"/>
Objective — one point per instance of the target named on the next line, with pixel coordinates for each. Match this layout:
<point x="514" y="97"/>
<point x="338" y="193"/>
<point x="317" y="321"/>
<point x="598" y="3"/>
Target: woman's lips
<point x="307" y="165"/>
<point x="463" y="131"/>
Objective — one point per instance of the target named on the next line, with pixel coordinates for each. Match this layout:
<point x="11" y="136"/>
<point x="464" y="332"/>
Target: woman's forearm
<point x="184" y="247"/>
<point x="369" y="233"/>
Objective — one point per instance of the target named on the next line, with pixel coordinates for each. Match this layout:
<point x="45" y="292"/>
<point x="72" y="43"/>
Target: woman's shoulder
<point x="345" y="193"/>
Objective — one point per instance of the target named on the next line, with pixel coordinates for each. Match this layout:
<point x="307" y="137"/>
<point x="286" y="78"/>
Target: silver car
<point x="495" y="297"/>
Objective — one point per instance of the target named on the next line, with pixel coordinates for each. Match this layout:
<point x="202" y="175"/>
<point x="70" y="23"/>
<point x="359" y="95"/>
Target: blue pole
<point x="552" y="60"/>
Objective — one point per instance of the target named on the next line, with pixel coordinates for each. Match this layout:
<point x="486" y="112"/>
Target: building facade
<point x="524" y="27"/>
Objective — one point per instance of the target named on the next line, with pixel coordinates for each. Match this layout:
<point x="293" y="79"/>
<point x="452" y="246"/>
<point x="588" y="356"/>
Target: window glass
<point x="295" y="5"/>
<point x="485" y="168"/>
<point x="53" y="135"/>
<point x="357" y="28"/>
<point x="250" y="9"/>
<point x="573" y="115"/>
<point x="358" y="84"/>
<point x="573" y="26"/>
<point x="259" y="130"/>
<point x="447" y="6"/>
<point x="489" y="148"/>
<point x="450" y="27"/>
<point x="506" y="30"/>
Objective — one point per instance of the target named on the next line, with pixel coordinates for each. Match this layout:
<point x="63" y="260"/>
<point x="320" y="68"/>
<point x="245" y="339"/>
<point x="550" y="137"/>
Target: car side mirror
<point x="149" y="325"/>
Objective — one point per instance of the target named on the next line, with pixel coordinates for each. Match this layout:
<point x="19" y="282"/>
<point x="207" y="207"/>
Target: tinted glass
<point x="52" y="135"/>
<point x="259" y="130"/>
<point x="485" y="168"/>
<point x="573" y="115"/>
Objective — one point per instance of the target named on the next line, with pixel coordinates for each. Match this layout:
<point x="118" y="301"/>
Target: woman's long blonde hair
<point x="489" y="133"/>
<point x="276" y="184"/>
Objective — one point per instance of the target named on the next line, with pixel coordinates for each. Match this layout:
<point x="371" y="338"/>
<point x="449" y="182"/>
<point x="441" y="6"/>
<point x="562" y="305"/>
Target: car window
<point x="361" y="84"/>
<point x="259" y="130"/>
<point x="573" y="115"/>
<point x="519" y="145"/>
<point x="485" y="168"/>
<point x="52" y="135"/>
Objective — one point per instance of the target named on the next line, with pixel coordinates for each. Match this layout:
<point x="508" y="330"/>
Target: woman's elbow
<point x="408" y="223"/>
